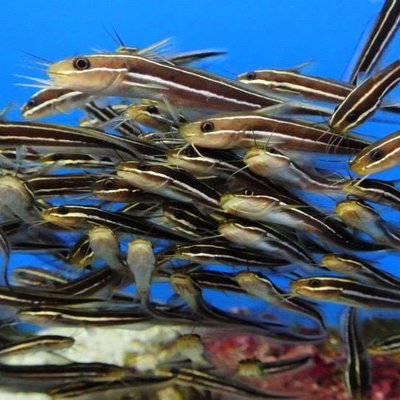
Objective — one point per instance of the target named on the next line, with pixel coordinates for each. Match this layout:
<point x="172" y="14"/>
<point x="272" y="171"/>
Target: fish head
<point x="64" y="216"/>
<point x="246" y="204"/>
<point x="315" y="288"/>
<point x="377" y="157"/>
<point x="213" y="133"/>
<point x="96" y="73"/>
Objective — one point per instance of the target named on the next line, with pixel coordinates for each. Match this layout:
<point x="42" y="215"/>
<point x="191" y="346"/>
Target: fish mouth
<point x="226" y="201"/>
<point x="228" y="234"/>
<point x="173" y="157"/>
<point x="299" y="290"/>
<point x="57" y="75"/>
<point x="253" y="151"/>
<point x="222" y="228"/>
<point x="172" y="153"/>
<point x="293" y="286"/>
<point x="327" y="260"/>
<point x="186" y="132"/>
<point x="244" y="279"/>
<point x="341" y="208"/>
<point x="252" y="157"/>
<point x="127" y="167"/>
<point x="346" y="211"/>
<point x="45" y="214"/>
<point x="357" y="168"/>
<point x="53" y="71"/>
<point x="348" y="186"/>
<point x="240" y="206"/>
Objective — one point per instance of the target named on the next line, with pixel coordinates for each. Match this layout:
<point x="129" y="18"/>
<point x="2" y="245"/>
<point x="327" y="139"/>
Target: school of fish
<point x="177" y="184"/>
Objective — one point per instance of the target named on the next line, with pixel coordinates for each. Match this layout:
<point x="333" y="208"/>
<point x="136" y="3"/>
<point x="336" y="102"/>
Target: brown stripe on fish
<point x="365" y="99"/>
<point x="384" y="28"/>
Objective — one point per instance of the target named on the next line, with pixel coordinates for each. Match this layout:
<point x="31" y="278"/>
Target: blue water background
<point x="256" y="34"/>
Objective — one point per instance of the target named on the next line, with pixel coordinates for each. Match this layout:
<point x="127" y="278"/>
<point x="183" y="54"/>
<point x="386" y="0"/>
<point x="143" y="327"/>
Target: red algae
<point x="386" y="378"/>
<point x="321" y="379"/>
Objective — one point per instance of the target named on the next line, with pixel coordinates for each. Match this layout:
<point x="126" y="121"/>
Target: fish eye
<point x="190" y="152"/>
<point x="109" y="184"/>
<point x="314" y="283"/>
<point x="352" y="117"/>
<point x="207" y="126"/>
<point x="62" y="210"/>
<point x="81" y="63"/>
<point x="251" y="75"/>
<point x="30" y="103"/>
<point x="153" y="110"/>
<point x="179" y="214"/>
<point x="376" y="155"/>
<point x="272" y="150"/>
<point x="248" y="192"/>
<point x="56" y="157"/>
<point x="144" y="167"/>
